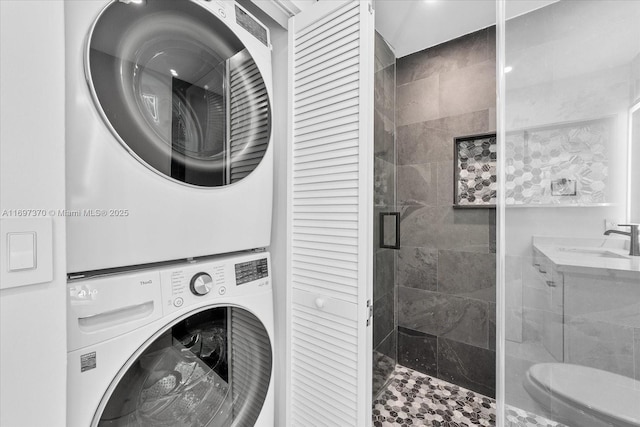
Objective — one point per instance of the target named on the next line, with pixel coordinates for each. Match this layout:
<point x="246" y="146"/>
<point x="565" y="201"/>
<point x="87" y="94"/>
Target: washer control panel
<point x="204" y="280"/>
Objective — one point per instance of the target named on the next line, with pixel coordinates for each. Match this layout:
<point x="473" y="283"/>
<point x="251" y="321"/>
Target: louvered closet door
<point x="330" y="214"/>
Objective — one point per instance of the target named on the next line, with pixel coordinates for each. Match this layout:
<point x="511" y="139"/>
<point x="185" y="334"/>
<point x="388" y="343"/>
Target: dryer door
<point x="179" y="91"/>
<point x="212" y="368"/>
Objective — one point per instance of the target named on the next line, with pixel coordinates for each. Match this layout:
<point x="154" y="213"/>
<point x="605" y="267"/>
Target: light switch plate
<point x="15" y="268"/>
<point x="22" y="250"/>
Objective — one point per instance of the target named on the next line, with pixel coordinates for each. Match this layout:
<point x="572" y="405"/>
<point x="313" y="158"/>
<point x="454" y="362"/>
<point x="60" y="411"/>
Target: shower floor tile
<point x="415" y="399"/>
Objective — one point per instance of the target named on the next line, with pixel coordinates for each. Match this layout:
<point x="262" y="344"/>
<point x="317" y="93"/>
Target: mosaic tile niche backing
<point x="539" y="161"/>
<point x="476" y="167"/>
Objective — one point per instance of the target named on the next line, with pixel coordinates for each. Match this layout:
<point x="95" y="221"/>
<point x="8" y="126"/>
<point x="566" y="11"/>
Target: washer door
<point x="212" y="368"/>
<point x="179" y="90"/>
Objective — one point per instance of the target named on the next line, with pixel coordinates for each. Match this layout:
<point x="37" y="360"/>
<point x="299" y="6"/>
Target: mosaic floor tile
<point x="415" y="399"/>
<point x="520" y="418"/>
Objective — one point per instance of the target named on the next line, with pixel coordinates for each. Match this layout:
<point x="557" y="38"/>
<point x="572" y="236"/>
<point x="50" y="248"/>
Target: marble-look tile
<point x="445" y="228"/>
<point x="417" y="184"/>
<point x="492" y="231"/>
<point x="384" y="361"/>
<point x="445" y="183"/>
<point x="383" y="317"/>
<point x="389" y="86"/>
<point x="384" y="95"/>
<point x="599" y="345"/>
<point x="383" y="137"/>
<point x="418" y="351"/>
<point x="570" y="19"/>
<point x="573" y="99"/>
<point x="389" y="345"/>
<point x="418" y="144"/>
<point x="532" y="324"/>
<point x="418" y="268"/>
<point x="468" y="366"/>
<point x="636" y="352"/>
<point x="382" y="369"/>
<point x="376" y="227"/>
<point x="553" y="335"/>
<point x="413" y="399"/>
<point x="513" y="324"/>
<point x="491" y="328"/>
<point x="452" y="55"/>
<point x="469" y="274"/>
<point x="384" y="277"/>
<point x="417" y="101"/>
<point x="531" y="65"/>
<point x="515" y="375"/>
<point x="492" y="35"/>
<point x="493" y="119"/>
<point x="469" y="89"/>
<point x="457" y="318"/>
<point x="383" y="183"/>
<point x="463" y="124"/>
<point x="432" y="140"/>
<point x="513" y="269"/>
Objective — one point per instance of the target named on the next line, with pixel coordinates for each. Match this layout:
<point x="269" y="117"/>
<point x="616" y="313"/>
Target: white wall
<point x="32" y="145"/>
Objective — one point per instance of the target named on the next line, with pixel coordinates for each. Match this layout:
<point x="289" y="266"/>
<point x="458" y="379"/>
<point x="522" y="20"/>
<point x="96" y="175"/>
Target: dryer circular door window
<point x="179" y="90"/>
<point x="211" y="368"/>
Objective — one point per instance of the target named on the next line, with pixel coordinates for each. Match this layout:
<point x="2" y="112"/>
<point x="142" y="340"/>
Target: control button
<point x="83" y="293"/>
<point x="178" y="302"/>
<point x="201" y="284"/>
<point x="222" y="290"/>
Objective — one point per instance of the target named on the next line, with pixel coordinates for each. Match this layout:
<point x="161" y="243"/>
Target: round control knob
<point x="201" y="284"/>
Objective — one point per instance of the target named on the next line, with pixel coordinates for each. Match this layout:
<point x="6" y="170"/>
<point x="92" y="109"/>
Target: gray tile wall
<point x="446" y="267"/>
<point x="384" y="295"/>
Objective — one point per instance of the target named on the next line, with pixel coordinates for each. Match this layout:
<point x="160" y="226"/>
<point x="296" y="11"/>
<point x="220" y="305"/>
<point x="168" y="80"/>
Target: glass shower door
<point x="569" y="290"/>
<point x="384" y="295"/>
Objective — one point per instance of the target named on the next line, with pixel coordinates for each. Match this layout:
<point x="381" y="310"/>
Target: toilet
<point x="581" y="396"/>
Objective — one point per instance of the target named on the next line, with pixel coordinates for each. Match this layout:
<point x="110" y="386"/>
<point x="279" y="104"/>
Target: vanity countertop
<point x="587" y="255"/>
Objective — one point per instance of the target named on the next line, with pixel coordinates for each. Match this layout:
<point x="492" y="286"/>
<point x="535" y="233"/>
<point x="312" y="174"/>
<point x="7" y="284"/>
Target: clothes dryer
<point x="184" y="345"/>
<point x="168" y="120"/>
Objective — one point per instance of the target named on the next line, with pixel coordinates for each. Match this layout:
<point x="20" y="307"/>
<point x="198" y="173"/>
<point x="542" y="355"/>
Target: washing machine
<point x="168" y="119"/>
<point x="176" y="345"/>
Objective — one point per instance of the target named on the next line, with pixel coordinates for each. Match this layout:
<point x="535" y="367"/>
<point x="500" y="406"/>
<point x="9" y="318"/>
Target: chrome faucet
<point x="634" y="245"/>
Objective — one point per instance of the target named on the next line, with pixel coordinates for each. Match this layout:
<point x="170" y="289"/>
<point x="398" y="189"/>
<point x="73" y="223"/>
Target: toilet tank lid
<point x="604" y="393"/>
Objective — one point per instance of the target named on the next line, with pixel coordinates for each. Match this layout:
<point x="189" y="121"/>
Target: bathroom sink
<point x="592" y="252"/>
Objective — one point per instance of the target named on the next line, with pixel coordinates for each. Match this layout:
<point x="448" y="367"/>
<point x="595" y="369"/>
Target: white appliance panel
<point x="119" y="211"/>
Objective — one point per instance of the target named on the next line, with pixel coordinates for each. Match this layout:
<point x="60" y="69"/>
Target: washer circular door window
<point x="212" y="368"/>
<point x="179" y="90"/>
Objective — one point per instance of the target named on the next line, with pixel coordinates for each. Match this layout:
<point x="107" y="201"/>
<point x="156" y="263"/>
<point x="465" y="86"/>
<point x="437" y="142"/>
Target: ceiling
<point x="413" y="25"/>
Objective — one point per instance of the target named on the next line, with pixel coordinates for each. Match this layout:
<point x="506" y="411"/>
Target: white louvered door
<point x="330" y="232"/>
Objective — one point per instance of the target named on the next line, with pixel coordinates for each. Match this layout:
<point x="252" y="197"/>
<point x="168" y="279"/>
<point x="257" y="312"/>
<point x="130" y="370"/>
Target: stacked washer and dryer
<point x="169" y="201"/>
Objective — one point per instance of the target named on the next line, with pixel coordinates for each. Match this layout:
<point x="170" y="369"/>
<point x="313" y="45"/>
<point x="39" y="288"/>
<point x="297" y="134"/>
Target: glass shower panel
<point x="571" y="306"/>
<point x="384" y="295"/>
